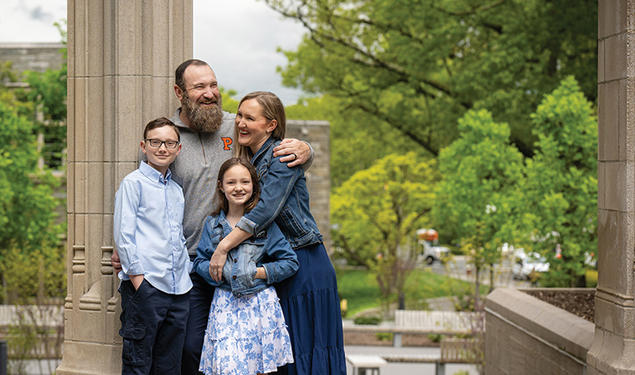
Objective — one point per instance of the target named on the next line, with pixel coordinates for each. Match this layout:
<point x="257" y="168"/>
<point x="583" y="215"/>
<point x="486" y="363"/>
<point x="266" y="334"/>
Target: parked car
<point x="526" y="264"/>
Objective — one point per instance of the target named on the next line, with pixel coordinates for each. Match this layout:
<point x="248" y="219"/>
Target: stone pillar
<point x="318" y="177"/>
<point x="613" y="348"/>
<point x="121" y="59"/>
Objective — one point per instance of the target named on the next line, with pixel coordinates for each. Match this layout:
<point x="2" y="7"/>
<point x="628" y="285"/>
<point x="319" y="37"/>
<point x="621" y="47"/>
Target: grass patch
<point x="360" y="289"/>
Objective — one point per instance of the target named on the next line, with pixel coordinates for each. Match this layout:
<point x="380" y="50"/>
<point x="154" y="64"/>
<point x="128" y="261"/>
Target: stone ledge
<point x="555" y="326"/>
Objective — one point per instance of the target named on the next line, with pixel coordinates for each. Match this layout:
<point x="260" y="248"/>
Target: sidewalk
<point x="406" y="368"/>
<point x="34" y="368"/>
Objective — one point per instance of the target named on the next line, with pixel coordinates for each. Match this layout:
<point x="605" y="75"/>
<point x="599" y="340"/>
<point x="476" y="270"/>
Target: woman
<point x="309" y="299"/>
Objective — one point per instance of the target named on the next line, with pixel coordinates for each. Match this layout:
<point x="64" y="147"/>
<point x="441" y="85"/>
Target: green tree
<point x="376" y="213"/>
<point x="47" y="92"/>
<point x="15" y="98"/>
<point x="230" y="104"/>
<point x="357" y="139"/>
<point x="561" y="183"/>
<point x="477" y="199"/>
<point x="27" y="203"/>
<point x="418" y="66"/>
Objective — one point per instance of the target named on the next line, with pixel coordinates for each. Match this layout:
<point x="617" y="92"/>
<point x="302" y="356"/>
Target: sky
<point x="238" y="38"/>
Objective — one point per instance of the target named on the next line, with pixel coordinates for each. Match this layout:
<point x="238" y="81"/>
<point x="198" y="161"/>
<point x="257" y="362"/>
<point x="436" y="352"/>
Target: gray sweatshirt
<point x="196" y="169"/>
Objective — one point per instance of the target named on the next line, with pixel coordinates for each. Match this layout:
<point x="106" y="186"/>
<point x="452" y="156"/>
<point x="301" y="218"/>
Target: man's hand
<point x="296" y="152"/>
<point x="136" y="281"/>
<point x="115" y="262"/>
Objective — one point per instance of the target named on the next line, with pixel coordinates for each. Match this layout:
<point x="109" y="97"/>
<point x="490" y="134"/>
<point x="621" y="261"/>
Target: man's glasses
<point x="156" y="143"/>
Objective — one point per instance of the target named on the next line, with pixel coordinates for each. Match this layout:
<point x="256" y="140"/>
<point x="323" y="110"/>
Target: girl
<point x="309" y="299"/>
<point x="246" y="332"/>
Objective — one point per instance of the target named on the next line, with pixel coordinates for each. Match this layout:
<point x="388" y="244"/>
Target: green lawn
<point x="360" y="289"/>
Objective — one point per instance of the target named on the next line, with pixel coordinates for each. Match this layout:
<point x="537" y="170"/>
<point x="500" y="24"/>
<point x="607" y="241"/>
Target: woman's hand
<point x="217" y="262"/>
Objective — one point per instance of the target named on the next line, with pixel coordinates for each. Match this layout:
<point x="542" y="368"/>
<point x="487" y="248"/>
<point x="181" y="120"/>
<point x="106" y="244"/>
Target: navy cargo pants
<point x="152" y="328"/>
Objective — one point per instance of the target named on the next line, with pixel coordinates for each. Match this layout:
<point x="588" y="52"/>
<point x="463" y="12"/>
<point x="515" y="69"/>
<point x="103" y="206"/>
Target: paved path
<point x="33" y="368"/>
<point x="407" y="368"/>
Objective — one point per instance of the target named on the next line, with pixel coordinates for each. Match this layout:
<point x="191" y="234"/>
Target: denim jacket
<point x="284" y="197"/>
<point x="270" y="250"/>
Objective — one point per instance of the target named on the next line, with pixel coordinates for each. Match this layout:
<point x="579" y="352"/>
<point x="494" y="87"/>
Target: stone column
<point x="613" y="348"/>
<point x="318" y="177"/>
<point x="121" y="59"/>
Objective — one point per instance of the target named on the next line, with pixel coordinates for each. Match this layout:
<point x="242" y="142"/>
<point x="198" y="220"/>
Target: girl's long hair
<point x="220" y="201"/>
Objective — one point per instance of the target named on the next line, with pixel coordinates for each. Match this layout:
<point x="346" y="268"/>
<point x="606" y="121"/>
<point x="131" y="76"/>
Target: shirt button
<point x="234" y="277"/>
<point x="235" y="260"/>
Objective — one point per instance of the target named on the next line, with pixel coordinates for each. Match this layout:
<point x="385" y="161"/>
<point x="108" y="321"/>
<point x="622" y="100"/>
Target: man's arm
<point x="294" y="152"/>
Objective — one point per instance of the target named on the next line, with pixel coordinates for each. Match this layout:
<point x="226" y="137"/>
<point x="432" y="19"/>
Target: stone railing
<point x="424" y="322"/>
<point x="32" y="331"/>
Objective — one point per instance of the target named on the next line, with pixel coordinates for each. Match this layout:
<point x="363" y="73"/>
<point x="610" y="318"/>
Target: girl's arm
<point x="276" y="188"/>
<point x="204" y="252"/>
<point x="219" y="256"/>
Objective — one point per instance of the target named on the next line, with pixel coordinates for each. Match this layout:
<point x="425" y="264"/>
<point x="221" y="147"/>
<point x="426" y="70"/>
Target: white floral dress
<point x="245" y="335"/>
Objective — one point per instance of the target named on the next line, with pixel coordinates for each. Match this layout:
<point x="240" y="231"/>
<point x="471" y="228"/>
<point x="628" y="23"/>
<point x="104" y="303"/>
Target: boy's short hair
<point x="159" y="123"/>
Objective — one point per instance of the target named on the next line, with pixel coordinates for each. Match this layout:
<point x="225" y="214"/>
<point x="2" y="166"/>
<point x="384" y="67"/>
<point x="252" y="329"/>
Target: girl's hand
<point x="217" y="262"/>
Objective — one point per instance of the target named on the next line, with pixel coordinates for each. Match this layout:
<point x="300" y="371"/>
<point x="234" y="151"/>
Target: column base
<point x="90" y="358"/>
<point x="611" y="354"/>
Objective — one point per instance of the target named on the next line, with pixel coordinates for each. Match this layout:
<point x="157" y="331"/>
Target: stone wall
<point x="32" y="56"/>
<point x="525" y="335"/>
<point x="318" y="176"/>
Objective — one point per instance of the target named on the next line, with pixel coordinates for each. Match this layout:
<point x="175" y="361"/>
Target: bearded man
<point x="207" y="138"/>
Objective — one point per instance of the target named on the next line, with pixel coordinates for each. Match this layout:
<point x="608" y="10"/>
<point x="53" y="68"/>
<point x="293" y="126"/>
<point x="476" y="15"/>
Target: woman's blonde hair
<point x="272" y="109"/>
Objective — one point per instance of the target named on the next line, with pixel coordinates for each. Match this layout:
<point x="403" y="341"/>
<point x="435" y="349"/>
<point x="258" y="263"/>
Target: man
<point x="207" y="139"/>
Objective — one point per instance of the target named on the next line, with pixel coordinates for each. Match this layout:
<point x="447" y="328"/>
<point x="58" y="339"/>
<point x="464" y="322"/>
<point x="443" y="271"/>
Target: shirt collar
<point x="176" y="119"/>
<point x="153" y="174"/>
<point x="221" y="221"/>
<point x="263" y="148"/>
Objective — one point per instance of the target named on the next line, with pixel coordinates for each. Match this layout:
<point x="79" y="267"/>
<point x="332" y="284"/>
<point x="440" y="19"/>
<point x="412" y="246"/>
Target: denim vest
<point x="270" y="250"/>
<point x="284" y="197"/>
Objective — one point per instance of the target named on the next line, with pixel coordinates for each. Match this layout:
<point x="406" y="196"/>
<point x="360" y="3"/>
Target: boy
<point x="148" y="232"/>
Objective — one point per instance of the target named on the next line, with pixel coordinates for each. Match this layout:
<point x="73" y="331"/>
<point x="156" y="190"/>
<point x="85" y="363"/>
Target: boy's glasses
<point x="156" y="143"/>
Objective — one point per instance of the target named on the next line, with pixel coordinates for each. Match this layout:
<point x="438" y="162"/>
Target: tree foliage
<point x="477" y="201"/>
<point x="47" y="92"/>
<point x="561" y="183"/>
<point x="28" y="226"/>
<point x="419" y="65"/>
<point x="27" y="205"/>
<point x="376" y="213"/>
<point x="357" y="139"/>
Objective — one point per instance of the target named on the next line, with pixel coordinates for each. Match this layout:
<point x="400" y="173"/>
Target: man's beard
<point x="205" y="120"/>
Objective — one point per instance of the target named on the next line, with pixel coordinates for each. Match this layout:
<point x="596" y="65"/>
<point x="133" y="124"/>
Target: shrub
<point x="369" y="320"/>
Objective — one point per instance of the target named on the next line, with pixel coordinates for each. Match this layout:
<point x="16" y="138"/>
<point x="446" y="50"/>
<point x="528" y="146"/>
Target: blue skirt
<point x="311" y="307"/>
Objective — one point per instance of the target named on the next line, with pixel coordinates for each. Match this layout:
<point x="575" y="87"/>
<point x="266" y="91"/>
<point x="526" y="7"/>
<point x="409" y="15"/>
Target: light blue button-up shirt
<point x="148" y="230"/>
